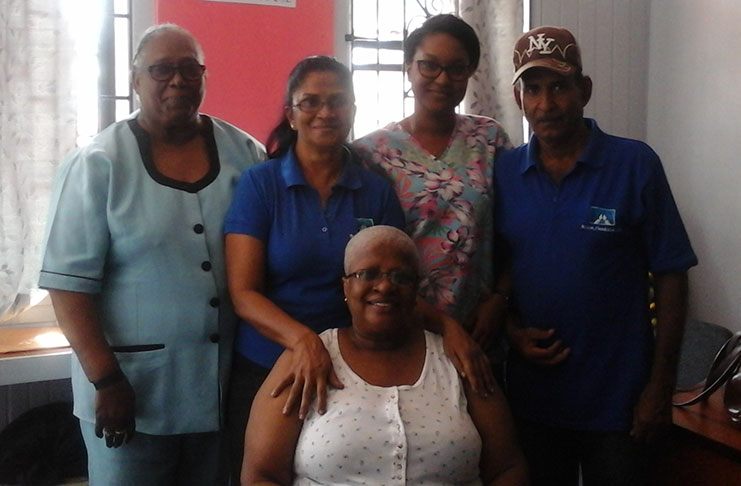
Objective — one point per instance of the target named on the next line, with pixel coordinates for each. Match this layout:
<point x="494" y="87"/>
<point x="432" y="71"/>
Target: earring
<point x="345" y="299"/>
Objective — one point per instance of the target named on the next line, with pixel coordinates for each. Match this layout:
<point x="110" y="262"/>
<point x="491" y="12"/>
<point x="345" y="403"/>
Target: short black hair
<point x="445" y="24"/>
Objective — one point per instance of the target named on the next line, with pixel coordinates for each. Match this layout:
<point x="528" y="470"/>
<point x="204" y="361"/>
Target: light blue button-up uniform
<point x="152" y="249"/>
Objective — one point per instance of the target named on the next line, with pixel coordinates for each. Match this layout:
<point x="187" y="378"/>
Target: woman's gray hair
<point x="155" y="31"/>
<point x="369" y="237"/>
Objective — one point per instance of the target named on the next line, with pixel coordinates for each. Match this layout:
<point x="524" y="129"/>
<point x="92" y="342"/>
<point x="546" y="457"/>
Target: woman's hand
<point x="468" y="357"/>
<point x="310" y="373"/>
<point x="115" y="408"/>
<point x="77" y="314"/>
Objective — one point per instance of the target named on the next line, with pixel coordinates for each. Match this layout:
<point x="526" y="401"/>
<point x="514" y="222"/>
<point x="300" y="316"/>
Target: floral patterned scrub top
<point x="447" y="201"/>
<point x="396" y="435"/>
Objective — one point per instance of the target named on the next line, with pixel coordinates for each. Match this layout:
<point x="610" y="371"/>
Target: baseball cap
<point x="548" y="47"/>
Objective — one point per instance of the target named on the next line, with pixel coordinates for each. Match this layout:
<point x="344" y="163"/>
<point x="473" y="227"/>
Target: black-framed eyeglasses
<point x="431" y="70"/>
<point x="313" y="104"/>
<point x="190" y="71"/>
<point x="396" y="277"/>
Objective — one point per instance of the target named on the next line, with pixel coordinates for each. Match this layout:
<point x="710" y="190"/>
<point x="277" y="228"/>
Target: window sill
<point x="34" y="353"/>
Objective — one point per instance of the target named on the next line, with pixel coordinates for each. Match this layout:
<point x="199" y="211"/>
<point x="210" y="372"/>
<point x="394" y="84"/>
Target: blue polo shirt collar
<point x="292" y="175"/>
<point x="596" y="136"/>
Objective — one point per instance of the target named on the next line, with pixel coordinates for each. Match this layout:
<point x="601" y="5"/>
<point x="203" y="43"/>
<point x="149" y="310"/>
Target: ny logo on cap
<point x="542" y="44"/>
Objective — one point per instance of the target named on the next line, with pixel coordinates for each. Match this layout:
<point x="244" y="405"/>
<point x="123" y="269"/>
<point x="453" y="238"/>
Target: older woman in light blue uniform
<point x="134" y="263"/>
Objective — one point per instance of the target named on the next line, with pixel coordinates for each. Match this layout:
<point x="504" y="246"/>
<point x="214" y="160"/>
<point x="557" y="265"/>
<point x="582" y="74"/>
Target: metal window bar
<point x="426" y="9"/>
<point x="107" y="96"/>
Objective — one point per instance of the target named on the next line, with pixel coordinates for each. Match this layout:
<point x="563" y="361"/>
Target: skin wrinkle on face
<point x="441" y="94"/>
<point x="169" y="103"/>
<point x="380" y="307"/>
<point x="553" y="104"/>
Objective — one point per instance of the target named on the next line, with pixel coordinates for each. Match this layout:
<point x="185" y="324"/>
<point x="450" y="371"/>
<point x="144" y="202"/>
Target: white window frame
<point x="343" y="42"/>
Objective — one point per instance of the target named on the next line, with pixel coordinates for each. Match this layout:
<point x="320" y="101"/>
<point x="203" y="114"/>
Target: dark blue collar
<point x="587" y="158"/>
<point x="292" y="175"/>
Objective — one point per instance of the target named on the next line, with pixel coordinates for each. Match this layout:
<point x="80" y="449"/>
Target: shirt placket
<point x="329" y="214"/>
<point x="398" y="439"/>
<point x="206" y="264"/>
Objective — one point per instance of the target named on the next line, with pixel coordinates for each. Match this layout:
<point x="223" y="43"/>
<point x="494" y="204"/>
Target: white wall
<point x="667" y="71"/>
<point x="142" y="17"/>
<point x="613" y="35"/>
<point x="694" y="120"/>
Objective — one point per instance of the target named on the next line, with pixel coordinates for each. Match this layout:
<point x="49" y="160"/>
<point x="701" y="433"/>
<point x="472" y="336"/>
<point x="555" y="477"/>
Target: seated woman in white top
<point x="404" y="415"/>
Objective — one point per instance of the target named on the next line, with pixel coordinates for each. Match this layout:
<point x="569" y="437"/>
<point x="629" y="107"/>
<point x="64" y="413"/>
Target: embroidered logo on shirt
<point x="362" y="224"/>
<point x="600" y="219"/>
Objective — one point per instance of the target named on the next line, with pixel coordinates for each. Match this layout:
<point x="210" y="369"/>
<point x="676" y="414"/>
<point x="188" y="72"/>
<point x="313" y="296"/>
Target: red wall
<point x="250" y="49"/>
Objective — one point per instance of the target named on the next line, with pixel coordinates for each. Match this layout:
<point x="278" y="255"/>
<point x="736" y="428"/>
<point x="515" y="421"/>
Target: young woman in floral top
<point x="441" y="164"/>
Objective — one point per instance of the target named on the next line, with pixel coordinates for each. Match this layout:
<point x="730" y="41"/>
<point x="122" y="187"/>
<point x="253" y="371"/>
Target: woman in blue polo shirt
<point x="285" y="237"/>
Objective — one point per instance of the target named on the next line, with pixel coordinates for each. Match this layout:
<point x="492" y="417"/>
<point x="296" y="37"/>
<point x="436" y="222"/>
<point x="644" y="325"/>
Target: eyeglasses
<point x="396" y="277"/>
<point x="313" y="104"/>
<point x="190" y="71"/>
<point x="431" y="70"/>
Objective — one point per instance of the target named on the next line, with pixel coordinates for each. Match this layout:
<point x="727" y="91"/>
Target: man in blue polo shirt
<point x="586" y="216"/>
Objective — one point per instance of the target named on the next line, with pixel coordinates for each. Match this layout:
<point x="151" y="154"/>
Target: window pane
<point x="416" y="15"/>
<point x="364" y="56"/>
<point x="385" y="94"/>
<point x="121" y="7"/>
<point x="391" y="56"/>
<point x="408" y="106"/>
<point x="121" y="43"/>
<point x="390" y="20"/>
<point x="366" y="89"/>
<point x="390" y="94"/>
<point x="364" y="19"/>
<point x="122" y="109"/>
<point x="86" y="26"/>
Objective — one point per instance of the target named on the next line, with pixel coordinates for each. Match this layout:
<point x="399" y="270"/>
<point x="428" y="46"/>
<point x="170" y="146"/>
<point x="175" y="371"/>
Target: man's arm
<point x="527" y="342"/>
<point x="654" y="407"/>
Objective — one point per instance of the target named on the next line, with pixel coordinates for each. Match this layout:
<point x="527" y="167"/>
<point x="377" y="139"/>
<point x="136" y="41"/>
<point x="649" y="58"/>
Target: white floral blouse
<point x="447" y="201"/>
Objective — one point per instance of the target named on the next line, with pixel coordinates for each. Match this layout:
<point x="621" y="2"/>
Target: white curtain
<point x="498" y="24"/>
<point x="37" y="127"/>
